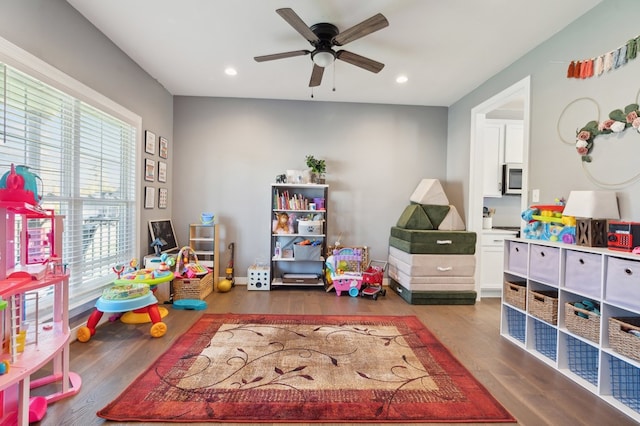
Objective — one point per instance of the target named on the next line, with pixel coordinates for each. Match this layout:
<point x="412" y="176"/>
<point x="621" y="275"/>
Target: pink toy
<point x="344" y="267"/>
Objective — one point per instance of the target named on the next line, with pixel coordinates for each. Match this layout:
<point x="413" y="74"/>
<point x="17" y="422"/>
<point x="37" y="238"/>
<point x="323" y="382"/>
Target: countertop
<point x="515" y="230"/>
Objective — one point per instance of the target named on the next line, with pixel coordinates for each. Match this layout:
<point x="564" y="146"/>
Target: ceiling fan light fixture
<point x="323" y="58"/>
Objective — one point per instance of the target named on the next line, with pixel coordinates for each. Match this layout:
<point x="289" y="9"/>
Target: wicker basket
<point x="621" y="340"/>
<point x="193" y="288"/>
<point x="544" y="305"/>
<point x="515" y="294"/>
<point x="587" y="325"/>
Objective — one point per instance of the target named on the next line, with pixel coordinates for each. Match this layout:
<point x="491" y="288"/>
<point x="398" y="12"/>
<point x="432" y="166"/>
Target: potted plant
<point x="318" y="169"/>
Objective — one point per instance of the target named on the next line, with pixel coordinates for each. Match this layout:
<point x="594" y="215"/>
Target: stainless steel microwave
<point x="512" y="179"/>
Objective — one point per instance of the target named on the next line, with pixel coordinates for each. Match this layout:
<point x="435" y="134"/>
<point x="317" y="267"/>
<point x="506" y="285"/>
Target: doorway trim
<point x="521" y="89"/>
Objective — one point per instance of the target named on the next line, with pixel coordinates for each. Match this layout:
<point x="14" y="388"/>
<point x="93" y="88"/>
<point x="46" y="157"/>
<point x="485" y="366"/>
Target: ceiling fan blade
<point x="281" y="55"/>
<point x="360" y="61"/>
<point x="316" y="76"/>
<point x="373" y="24"/>
<point x="298" y="24"/>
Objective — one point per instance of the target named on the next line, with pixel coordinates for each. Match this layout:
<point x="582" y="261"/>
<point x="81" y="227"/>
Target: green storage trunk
<point x="433" y="297"/>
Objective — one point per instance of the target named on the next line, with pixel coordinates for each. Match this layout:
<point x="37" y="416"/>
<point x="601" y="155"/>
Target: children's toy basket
<point x="544" y="305"/>
<point x="515" y="294"/>
<point x="193" y="288"/>
<point x="582" y="322"/>
<point x="623" y="336"/>
<point x="193" y="280"/>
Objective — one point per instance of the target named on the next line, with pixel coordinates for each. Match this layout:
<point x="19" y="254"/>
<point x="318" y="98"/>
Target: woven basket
<point x="621" y="340"/>
<point x="193" y="288"/>
<point x="515" y="294"/>
<point x="544" y="305"/>
<point x="588" y="327"/>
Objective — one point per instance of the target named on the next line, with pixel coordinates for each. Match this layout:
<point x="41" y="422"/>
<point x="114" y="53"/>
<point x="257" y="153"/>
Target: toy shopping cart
<point x="372" y="279"/>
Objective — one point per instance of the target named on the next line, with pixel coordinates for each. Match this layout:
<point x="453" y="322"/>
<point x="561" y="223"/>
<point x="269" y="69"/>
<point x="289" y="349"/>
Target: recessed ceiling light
<point x="230" y="71"/>
<point x="402" y="79"/>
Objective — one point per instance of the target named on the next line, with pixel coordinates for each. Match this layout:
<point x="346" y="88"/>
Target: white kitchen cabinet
<point x="514" y="142"/>
<point x="492" y="261"/>
<point x="503" y="142"/>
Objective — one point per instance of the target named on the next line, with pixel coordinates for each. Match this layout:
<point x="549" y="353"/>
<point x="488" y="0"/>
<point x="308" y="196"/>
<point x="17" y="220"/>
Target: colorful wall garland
<point x="586" y="68"/>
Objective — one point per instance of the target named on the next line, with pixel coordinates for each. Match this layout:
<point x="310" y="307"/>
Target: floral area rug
<point x="292" y="368"/>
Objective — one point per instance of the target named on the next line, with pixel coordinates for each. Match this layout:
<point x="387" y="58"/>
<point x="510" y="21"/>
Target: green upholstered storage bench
<point x="433" y="297"/>
<point x="432" y="242"/>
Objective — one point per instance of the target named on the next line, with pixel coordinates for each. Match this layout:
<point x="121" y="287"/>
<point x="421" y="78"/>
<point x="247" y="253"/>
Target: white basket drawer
<point x="622" y="285"/>
<point x="517" y="261"/>
<point x="544" y="264"/>
<point x="583" y="272"/>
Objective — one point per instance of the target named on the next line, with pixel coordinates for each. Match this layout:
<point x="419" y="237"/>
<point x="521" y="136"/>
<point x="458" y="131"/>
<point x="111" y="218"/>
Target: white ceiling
<point x="446" y="48"/>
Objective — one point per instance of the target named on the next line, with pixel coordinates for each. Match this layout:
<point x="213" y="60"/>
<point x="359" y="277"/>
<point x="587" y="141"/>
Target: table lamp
<point x="591" y="210"/>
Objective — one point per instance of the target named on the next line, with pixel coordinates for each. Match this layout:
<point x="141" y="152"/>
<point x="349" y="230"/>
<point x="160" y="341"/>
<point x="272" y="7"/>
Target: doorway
<point x="514" y="100"/>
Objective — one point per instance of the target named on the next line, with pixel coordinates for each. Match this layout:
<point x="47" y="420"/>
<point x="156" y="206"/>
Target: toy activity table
<point x="132" y="294"/>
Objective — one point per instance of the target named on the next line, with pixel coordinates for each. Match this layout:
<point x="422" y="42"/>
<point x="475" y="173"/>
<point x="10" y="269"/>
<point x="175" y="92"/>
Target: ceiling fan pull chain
<point x="312" y="93"/>
<point x="334" y="76"/>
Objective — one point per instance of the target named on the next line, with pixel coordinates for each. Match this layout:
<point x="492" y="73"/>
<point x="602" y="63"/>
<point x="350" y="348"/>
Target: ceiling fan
<point x="323" y="37"/>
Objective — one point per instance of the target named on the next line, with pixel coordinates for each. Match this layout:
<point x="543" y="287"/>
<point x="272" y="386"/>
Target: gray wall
<point x="56" y="33"/>
<point x="555" y="168"/>
<point x="228" y="152"/>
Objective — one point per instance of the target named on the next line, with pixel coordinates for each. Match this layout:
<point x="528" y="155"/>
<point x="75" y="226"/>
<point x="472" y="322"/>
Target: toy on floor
<point x="344" y="267"/>
<point x="131" y="293"/>
<point x="372" y="279"/>
<point x="37" y="408"/>
<point x="224" y="286"/>
<point x="190" y="304"/>
<point x="229" y="270"/>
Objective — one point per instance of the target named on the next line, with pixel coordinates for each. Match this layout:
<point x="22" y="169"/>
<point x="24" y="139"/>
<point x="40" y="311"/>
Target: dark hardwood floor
<point x="532" y="391"/>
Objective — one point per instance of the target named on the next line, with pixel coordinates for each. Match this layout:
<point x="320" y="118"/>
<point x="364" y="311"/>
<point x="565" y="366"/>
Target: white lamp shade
<point x="323" y="58"/>
<point x="592" y="205"/>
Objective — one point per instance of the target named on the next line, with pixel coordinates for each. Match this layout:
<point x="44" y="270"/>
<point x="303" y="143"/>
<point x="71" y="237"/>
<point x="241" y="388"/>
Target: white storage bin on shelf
<point x="597" y="349"/>
<point x="623" y="282"/>
<point x="544" y="264"/>
<point x="518" y="257"/>
<point x="583" y="272"/>
<point x="310" y="227"/>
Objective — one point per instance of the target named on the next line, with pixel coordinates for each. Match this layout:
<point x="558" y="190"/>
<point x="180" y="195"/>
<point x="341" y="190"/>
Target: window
<point x="86" y="158"/>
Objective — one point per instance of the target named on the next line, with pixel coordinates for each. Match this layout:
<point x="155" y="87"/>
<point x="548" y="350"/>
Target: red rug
<point x="279" y="368"/>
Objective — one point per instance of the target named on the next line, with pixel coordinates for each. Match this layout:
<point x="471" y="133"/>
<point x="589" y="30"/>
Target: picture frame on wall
<point x="163" y="150"/>
<point x="162" y="171"/>
<point x="163" y="198"/>
<point x="149" y="170"/>
<point x="149" y="142"/>
<point x="149" y="197"/>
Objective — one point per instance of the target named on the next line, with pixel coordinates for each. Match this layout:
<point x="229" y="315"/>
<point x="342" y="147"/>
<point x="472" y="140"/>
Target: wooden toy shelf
<point x="51" y="342"/>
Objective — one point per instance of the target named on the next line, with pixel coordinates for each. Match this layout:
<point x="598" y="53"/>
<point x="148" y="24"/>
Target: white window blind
<point x="86" y="159"/>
